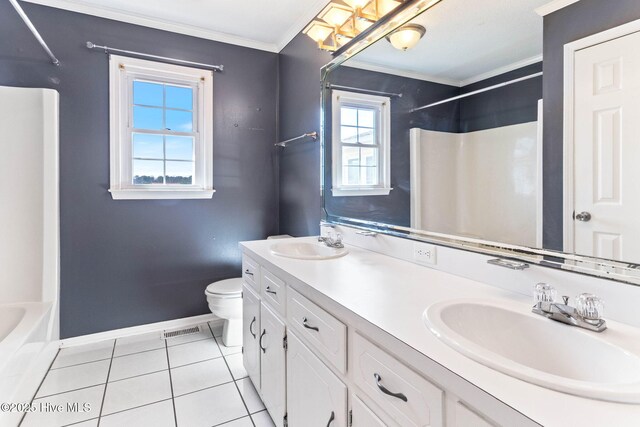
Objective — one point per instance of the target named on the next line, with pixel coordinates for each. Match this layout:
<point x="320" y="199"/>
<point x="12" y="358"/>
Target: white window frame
<point x="122" y="72"/>
<point x="382" y="105"/>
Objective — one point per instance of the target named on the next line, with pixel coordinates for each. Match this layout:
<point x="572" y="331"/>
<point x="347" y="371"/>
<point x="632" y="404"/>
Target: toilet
<point x="225" y="301"/>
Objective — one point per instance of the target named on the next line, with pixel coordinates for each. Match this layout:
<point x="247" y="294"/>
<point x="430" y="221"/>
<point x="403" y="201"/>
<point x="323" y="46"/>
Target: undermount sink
<point x="508" y="338"/>
<point x="306" y="250"/>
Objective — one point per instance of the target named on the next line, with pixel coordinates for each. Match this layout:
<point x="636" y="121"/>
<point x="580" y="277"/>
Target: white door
<point x="607" y="149"/>
<point x="273" y="365"/>
<point x="316" y="397"/>
<point x="251" y="334"/>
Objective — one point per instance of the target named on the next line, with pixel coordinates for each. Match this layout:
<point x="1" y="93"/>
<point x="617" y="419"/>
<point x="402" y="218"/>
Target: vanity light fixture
<point x="406" y="37"/>
<point x="337" y="24"/>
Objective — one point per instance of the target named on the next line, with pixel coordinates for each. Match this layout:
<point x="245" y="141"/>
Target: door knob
<point x="583" y="216"/>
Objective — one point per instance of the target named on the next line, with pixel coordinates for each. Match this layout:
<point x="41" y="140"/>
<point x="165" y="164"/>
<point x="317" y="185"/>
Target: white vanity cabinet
<point x="315" y="364"/>
<point x="315" y="396"/>
<point x="263" y="342"/>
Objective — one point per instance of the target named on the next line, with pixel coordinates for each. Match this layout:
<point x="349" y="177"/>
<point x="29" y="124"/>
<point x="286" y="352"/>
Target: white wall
<point x="28" y="195"/>
<point x="480" y="184"/>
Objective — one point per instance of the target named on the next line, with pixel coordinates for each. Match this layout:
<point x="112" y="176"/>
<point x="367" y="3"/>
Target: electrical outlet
<point x="424" y="253"/>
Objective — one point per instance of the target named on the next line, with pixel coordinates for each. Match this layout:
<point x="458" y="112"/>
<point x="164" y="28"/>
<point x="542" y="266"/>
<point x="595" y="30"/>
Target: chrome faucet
<point x="587" y="314"/>
<point x="332" y="240"/>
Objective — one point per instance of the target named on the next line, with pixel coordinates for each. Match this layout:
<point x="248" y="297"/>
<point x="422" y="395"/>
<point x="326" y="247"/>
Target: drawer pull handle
<point x="306" y="325"/>
<point x="248" y="272"/>
<point x="264" y="332"/>
<point x="269" y="291"/>
<point x="331" y="418"/>
<point x="251" y="327"/>
<point x="385" y="391"/>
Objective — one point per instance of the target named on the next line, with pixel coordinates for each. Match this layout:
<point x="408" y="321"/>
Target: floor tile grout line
<point x="80" y="422"/>
<point x="173" y="399"/>
<point x="234" y="380"/>
<point x="70" y="391"/>
<point x="199" y="361"/>
<point x="40" y="385"/>
<point x="104" y="394"/>
<point x="204" y="388"/>
<point x="81" y="363"/>
<point x="235" y="419"/>
<point x="135" y="407"/>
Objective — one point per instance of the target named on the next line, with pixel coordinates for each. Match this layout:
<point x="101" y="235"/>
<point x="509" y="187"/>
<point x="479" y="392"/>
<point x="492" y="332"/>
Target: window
<point x="361" y="144"/>
<point x="161" y="133"/>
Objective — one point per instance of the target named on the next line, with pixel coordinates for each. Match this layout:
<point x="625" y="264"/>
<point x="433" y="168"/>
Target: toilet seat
<point x="229" y="288"/>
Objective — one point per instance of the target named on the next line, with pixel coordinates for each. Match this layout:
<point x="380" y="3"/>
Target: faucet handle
<point x="565" y="299"/>
<point x="590" y="306"/>
<point x="543" y="292"/>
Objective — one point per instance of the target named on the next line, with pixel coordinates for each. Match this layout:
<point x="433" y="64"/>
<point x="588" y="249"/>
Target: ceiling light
<point x="335" y="15"/>
<point x="407" y="36"/>
<point x="319" y="32"/>
<point x="339" y="24"/>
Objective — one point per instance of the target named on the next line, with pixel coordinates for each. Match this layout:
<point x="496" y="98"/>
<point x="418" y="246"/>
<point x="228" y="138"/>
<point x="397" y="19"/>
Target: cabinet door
<point x="362" y="415"/>
<point x="315" y="396"/>
<point x="251" y="334"/>
<point x="273" y="365"/>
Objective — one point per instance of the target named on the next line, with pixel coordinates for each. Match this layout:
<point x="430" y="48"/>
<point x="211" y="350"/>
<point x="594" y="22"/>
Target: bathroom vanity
<point x="343" y="342"/>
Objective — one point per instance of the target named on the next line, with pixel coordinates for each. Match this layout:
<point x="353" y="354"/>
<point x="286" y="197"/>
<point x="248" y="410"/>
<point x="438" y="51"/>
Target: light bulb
<point x="406" y="37"/>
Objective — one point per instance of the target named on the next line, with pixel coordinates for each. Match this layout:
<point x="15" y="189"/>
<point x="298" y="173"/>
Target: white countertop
<point x="392" y="294"/>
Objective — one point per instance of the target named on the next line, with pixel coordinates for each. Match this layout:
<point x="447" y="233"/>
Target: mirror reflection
<point x="438" y="127"/>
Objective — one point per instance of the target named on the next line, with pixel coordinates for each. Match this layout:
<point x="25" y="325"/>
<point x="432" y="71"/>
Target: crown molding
<point x="304" y="19"/>
<point x="131" y="18"/>
<point x="553" y="6"/>
<point x="409" y="74"/>
<point x="502" y="70"/>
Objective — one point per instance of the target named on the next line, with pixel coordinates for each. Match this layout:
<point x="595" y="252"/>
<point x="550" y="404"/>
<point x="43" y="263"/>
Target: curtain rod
<point x="108" y="49"/>
<point x="475" y="92"/>
<point x="357" y="89"/>
<point x="35" y="32"/>
<point x="312" y="135"/>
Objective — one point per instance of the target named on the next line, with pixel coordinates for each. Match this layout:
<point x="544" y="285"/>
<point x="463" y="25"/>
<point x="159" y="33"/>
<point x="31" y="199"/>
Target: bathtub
<point x="26" y="352"/>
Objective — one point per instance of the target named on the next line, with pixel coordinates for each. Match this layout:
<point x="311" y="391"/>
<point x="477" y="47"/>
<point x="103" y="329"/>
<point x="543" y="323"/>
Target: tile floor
<point x="187" y="381"/>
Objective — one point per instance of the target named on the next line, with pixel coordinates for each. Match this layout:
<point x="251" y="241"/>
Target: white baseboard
<point x="141" y="329"/>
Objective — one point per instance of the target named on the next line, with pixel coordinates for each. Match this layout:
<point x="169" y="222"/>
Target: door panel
<point x="606" y="108"/>
<point x="273" y="364"/>
<point x="251" y="334"/>
<point x="316" y="397"/>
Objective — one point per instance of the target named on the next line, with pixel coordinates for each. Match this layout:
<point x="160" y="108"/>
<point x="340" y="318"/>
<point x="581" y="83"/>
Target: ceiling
<point x="260" y="24"/>
<point x="466" y="41"/>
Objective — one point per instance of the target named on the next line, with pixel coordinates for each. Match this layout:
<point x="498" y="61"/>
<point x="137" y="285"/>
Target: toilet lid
<point x="226" y="287"/>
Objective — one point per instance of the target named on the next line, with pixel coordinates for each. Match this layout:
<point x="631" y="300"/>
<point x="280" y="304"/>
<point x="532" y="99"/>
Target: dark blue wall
<point x="574" y="22"/>
<point x="299" y="112"/>
<point x="126" y="263"/>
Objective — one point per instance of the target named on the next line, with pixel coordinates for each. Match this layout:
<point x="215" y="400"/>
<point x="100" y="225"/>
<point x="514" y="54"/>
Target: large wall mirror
<point x="435" y="131"/>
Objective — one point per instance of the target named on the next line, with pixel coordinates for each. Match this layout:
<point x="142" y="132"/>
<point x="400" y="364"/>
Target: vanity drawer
<point x="273" y="290"/>
<point x="251" y="272"/>
<point x="417" y="402"/>
<point x="323" y="331"/>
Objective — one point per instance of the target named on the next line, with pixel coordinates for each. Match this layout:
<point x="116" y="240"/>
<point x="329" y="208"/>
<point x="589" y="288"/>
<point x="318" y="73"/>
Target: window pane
<point x="146" y="93"/>
<point x="350" y="175"/>
<point x="147" y="118"/>
<point x="365" y="136"/>
<point x="366" y="118"/>
<point x="369" y="176"/>
<point x="350" y="156"/>
<point x="349" y="116"/>
<point x="179" y="121"/>
<point x="148" y="171"/>
<point x="179" y="147"/>
<point x="348" y="135"/>
<point x="369" y="157"/>
<point x="179" y="172"/>
<point x="147" y="146"/>
<point x="179" y="97"/>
